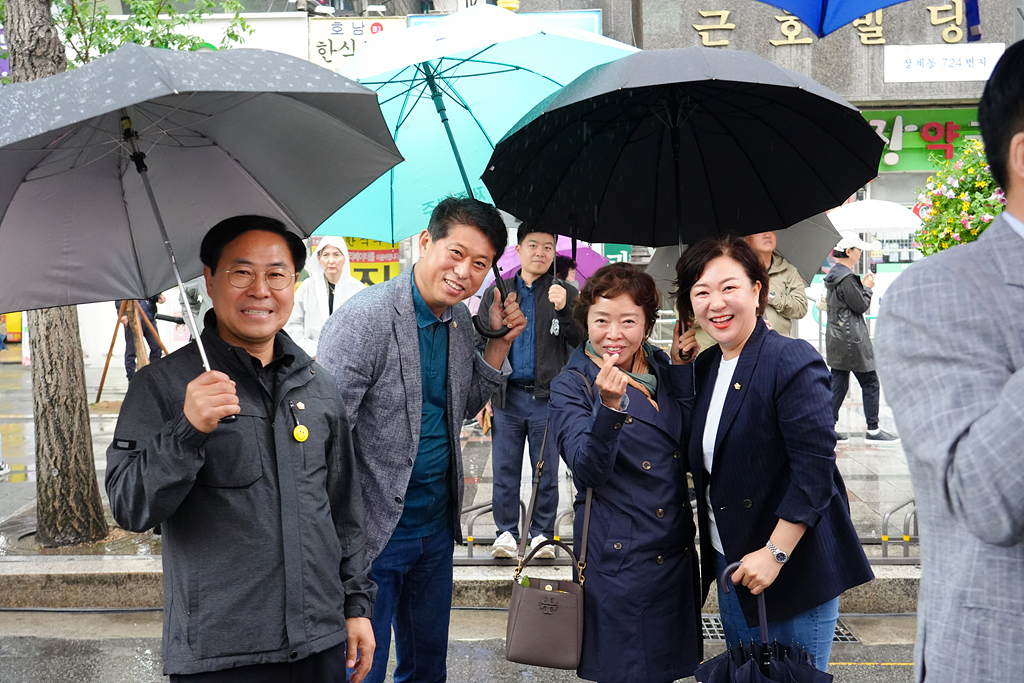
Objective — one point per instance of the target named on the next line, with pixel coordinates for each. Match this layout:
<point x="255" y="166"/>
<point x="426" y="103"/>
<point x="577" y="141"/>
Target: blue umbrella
<point x="449" y="89"/>
<point x="825" y="16"/>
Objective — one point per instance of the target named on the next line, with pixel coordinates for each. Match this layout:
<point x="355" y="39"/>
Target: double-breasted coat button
<point x="617" y="546"/>
<point x="677" y="455"/>
<point x="646" y="464"/>
<point x="660" y="559"/>
<point x="629" y="419"/>
<point x="618" y="425"/>
<point x="746" y="503"/>
<point x="398" y="499"/>
<point x="660" y="513"/>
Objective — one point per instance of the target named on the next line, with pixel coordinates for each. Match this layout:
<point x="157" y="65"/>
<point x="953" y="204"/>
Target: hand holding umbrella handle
<point x="725" y="581"/>
<point x="483" y="328"/>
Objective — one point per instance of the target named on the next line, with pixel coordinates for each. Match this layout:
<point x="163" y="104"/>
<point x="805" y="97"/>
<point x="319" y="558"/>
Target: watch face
<point x="781" y="556"/>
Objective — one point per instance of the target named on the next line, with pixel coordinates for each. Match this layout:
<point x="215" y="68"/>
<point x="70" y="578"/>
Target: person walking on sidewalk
<point x="404" y="355"/>
<point x="520" y="406"/>
<point x="266" y="576"/>
<point x="847" y="344"/>
<point x="951" y="353"/>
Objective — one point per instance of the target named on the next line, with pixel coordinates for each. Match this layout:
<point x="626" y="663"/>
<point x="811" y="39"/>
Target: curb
<point x="128" y="581"/>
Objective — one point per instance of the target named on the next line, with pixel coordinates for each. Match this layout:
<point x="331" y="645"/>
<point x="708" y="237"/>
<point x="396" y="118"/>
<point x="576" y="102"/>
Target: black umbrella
<point x="766" y="661"/>
<point x="671" y="146"/>
<point x="109" y="170"/>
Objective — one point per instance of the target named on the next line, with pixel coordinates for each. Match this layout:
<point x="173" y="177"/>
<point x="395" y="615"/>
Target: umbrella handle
<point x="725" y="581"/>
<point x="483" y="328"/>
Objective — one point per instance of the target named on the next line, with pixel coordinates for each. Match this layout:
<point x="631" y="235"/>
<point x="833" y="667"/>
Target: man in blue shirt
<point x="404" y="355"/>
<point x="520" y="407"/>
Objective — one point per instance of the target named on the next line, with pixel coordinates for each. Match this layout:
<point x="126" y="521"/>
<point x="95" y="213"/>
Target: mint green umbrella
<point x="449" y="89"/>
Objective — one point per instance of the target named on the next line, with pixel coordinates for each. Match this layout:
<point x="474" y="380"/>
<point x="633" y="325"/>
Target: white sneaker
<point x="4" y="468"/>
<point x="504" y="546"/>
<point x="546" y="553"/>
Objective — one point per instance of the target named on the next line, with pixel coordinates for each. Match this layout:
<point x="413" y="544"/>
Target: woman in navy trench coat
<point x="641" y="582"/>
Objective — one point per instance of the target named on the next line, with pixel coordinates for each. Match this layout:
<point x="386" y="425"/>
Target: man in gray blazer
<point x="404" y="356"/>
<point x="950" y="344"/>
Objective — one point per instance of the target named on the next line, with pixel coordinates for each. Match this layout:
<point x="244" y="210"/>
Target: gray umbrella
<point x="221" y="133"/>
<point x="805" y="245"/>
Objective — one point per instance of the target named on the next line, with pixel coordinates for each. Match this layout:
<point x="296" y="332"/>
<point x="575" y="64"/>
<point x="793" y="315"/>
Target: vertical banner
<point x="372" y="262"/>
<point x="333" y="40"/>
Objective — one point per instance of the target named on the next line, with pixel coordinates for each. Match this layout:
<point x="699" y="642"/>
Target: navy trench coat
<point x="642" y="584"/>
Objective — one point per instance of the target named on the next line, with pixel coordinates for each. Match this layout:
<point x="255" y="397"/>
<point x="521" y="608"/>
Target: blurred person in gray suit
<point x="950" y="343"/>
<point x="404" y="355"/>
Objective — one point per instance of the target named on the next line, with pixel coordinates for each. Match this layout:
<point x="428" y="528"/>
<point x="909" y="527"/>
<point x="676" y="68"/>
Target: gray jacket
<point x="847" y="344"/>
<point x="263" y="546"/>
<point x="371" y="346"/>
<point x="551" y="349"/>
<point x="951" y="357"/>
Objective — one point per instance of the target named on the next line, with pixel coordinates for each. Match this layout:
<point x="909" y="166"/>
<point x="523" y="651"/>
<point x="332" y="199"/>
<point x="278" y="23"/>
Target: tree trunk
<point x="68" y="505"/>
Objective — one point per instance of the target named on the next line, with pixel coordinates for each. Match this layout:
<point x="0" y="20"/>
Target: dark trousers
<point x="149" y="310"/>
<point x="323" y="667"/>
<point x="869" y="387"/>
<point x="523" y="417"/>
<point x="414" y="597"/>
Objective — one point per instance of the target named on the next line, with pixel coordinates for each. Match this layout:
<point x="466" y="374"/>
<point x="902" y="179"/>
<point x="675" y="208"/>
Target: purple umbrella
<point x="587" y="261"/>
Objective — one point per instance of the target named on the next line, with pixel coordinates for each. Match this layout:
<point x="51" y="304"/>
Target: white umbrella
<point x="869" y="215"/>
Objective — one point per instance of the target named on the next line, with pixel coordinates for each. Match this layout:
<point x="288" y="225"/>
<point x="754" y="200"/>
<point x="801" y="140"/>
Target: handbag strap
<point x="581" y="562"/>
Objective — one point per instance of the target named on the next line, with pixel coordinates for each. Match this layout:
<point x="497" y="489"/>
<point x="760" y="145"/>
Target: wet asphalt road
<point x="125" y="648"/>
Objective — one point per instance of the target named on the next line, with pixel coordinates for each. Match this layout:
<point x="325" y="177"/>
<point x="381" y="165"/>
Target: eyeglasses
<point x="276" y="278"/>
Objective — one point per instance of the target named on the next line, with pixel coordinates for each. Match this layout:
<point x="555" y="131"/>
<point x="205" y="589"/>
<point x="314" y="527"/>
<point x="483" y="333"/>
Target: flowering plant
<point x="960" y="200"/>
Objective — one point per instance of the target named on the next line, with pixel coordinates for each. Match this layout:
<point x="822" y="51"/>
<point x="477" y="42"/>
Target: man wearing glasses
<point x="249" y="471"/>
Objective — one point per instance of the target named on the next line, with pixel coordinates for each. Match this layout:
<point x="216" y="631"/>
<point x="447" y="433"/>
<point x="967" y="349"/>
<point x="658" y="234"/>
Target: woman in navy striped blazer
<point x="762" y="451"/>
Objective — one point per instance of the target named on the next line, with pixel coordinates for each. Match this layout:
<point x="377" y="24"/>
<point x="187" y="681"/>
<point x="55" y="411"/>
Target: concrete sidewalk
<point x="876" y="476"/>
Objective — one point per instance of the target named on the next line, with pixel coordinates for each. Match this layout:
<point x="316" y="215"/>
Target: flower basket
<point x="961" y="199"/>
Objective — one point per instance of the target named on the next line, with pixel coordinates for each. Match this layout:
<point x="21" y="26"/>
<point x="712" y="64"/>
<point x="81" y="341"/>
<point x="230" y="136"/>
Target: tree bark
<point x="68" y="505"/>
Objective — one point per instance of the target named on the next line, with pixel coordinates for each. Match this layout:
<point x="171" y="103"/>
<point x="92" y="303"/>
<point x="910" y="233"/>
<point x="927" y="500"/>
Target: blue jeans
<point x="812" y="630"/>
<point x="523" y="416"/>
<point x="414" y="595"/>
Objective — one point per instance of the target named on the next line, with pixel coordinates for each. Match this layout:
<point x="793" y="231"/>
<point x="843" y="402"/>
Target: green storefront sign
<point x="913" y="135"/>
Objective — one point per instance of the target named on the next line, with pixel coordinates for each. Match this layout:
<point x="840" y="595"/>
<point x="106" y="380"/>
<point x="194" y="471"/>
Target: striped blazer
<point x="775" y="458"/>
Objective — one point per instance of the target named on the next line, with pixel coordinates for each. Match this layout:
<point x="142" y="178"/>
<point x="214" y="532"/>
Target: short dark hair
<point x="527" y="229"/>
<point x="619" y="278"/>
<point x="692" y="264"/>
<point x="563" y="264"/>
<point x="472" y="212"/>
<point x="230" y="229"/>
<point x="1001" y="111"/>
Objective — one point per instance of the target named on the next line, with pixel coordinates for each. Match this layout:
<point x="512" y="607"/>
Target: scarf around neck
<point x="639" y="376"/>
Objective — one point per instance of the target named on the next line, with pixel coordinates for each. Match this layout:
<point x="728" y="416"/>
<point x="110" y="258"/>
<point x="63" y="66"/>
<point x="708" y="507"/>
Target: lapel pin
<point x="300" y="405"/>
<point x="737" y="386"/>
<point x="455" y="324"/>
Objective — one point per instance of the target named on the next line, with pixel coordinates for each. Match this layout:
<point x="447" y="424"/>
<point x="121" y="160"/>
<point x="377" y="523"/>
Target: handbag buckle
<point x="519" y="569"/>
<point x="580" y="566"/>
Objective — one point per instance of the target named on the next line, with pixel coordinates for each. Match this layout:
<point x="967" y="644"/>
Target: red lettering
<point x="931" y="131"/>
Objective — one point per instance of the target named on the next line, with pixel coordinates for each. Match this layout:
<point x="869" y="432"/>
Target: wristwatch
<point x="780" y="555"/>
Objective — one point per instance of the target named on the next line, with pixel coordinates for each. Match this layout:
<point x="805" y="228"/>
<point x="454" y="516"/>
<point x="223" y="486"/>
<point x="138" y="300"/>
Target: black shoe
<point x="882" y="435"/>
<point x="842" y="437"/>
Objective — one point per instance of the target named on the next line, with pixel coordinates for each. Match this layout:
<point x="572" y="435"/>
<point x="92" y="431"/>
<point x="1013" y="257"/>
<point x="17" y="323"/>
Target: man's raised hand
<point x="208" y="398"/>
